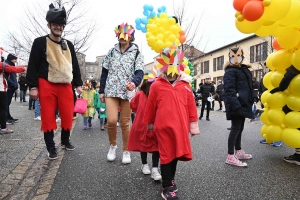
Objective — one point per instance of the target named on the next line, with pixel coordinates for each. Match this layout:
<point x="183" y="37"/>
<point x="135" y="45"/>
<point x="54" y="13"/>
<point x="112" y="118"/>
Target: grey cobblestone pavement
<point x="84" y="173"/>
<point x="26" y="172"/>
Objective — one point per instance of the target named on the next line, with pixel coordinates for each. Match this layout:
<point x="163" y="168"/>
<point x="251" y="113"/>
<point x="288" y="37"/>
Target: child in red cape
<point x="141" y="139"/>
<point x="171" y="112"/>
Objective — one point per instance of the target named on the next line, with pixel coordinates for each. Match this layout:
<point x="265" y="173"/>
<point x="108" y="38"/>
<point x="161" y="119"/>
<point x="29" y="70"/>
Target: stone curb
<point x="33" y="177"/>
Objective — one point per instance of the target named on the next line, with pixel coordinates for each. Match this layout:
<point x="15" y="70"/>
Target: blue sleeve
<point x="10" y="83"/>
<point x="139" y="75"/>
<point x="103" y="80"/>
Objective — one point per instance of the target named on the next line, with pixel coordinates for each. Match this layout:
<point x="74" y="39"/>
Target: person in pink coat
<point x="140" y="138"/>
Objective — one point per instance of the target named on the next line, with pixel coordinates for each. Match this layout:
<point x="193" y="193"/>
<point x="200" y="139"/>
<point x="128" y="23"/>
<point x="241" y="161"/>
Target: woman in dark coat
<point x="238" y="103"/>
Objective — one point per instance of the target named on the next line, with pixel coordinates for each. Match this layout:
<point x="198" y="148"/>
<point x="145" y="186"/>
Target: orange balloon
<point x="181" y="32"/>
<point x="239" y="4"/>
<point x="253" y="10"/>
<point x="182" y="39"/>
<point x="275" y="45"/>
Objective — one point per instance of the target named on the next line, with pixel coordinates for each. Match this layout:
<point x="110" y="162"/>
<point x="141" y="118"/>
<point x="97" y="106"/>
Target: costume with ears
<point x="52" y="68"/>
<point x="238" y="103"/>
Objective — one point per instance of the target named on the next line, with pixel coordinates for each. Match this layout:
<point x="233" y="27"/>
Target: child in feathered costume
<point x="89" y="94"/>
<point x="171" y="112"/>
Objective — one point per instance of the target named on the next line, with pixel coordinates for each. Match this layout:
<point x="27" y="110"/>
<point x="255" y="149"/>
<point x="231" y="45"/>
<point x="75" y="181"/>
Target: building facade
<point x="81" y="63"/>
<point x="256" y="50"/>
<point x="90" y="70"/>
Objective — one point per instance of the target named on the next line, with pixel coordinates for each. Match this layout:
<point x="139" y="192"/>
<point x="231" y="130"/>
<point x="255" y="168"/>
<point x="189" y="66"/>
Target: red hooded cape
<point x="140" y="139"/>
<point x="171" y="108"/>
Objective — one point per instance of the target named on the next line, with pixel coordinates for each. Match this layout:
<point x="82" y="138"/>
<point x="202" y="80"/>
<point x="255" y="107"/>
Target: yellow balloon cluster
<point x="281" y="19"/>
<point x="278" y="125"/>
<point x="163" y="32"/>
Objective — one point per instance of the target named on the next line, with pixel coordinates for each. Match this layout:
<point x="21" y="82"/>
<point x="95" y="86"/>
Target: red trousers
<point x="53" y="96"/>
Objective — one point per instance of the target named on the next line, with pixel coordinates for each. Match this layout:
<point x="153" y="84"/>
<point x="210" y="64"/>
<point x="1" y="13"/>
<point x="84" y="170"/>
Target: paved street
<point x="84" y="173"/>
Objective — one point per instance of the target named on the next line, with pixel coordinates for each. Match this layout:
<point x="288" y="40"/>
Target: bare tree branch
<point x="79" y="29"/>
<point x="190" y="26"/>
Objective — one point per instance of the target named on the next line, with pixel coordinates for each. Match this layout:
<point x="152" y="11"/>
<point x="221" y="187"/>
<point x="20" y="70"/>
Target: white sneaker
<point x="111" y="156"/>
<point x="118" y="124"/>
<point x="146" y="169"/>
<point x="126" y="157"/>
<point x="38" y="118"/>
<point x="6" y="131"/>
<point x="156" y="175"/>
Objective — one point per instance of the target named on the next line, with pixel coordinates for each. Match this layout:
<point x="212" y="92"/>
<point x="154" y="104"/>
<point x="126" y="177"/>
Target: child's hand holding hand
<point x="194" y="128"/>
<point x="150" y="127"/>
<point x="130" y="86"/>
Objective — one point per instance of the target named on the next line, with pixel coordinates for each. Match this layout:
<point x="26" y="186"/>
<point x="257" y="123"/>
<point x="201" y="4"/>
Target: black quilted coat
<point x="238" y="90"/>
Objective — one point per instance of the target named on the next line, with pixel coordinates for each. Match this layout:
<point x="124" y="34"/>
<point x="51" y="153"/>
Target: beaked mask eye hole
<point x="239" y="55"/>
<point x="232" y="56"/>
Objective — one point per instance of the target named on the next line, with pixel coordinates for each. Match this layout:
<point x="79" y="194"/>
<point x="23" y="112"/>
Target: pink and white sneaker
<point x="232" y="160"/>
<point x="240" y="154"/>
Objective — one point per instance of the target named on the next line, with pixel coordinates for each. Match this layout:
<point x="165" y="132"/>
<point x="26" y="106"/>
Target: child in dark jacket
<point x="238" y="103"/>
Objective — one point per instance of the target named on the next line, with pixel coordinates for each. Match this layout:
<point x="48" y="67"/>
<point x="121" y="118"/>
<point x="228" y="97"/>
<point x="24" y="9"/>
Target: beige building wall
<point x="250" y="43"/>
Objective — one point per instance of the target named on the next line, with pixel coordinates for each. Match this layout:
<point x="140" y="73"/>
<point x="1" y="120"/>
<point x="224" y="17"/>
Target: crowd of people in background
<point x="124" y="88"/>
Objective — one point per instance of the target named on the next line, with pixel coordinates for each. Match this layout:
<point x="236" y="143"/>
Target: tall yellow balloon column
<point x="280" y="19"/>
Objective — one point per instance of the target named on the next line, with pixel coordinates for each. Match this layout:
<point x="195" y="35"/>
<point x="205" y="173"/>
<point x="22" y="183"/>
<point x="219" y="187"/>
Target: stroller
<point x="197" y="97"/>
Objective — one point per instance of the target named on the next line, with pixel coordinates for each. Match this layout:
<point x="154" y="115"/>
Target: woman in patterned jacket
<point x="122" y="72"/>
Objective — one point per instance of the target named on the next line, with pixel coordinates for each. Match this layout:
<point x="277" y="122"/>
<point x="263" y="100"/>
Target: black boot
<point x="65" y="140"/>
<point x="52" y="153"/>
<point x="207" y="118"/>
<point x="48" y="137"/>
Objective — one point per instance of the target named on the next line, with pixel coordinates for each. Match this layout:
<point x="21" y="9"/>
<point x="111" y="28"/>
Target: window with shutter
<point x="220" y="61"/>
<point x="202" y="66"/>
<point x="265" y="51"/>
<point x="214" y="67"/>
<point x="252" y="54"/>
<point x="222" y="65"/>
<point x="206" y="66"/>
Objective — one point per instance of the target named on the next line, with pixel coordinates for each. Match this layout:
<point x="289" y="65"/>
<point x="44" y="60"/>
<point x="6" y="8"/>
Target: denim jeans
<point x="37" y="108"/>
<point x="254" y="108"/>
<point x="87" y="120"/>
<point x="22" y="95"/>
<point x="101" y="121"/>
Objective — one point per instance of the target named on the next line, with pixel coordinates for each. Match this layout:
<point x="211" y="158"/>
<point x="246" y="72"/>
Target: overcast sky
<point x="217" y="26"/>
